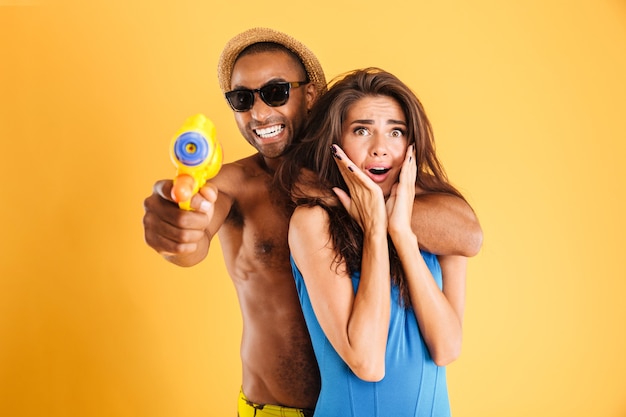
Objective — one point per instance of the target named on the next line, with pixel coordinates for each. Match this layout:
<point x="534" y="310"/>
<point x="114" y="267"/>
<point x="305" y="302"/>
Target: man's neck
<point x="269" y="165"/>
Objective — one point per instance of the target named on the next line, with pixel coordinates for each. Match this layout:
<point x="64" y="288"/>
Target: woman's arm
<point x="439" y="313"/>
<point x="355" y="324"/>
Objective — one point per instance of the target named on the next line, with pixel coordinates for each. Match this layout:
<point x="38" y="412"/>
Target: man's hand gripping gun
<point x="197" y="155"/>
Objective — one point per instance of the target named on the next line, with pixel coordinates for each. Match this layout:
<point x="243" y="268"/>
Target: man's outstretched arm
<point x="446" y="225"/>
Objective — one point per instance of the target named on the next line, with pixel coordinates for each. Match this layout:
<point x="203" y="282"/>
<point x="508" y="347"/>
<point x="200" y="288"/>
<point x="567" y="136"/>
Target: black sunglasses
<point x="273" y="94"/>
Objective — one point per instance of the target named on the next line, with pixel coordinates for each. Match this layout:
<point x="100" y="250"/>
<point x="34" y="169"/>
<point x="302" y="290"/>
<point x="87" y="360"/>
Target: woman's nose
<point x="379" y="145"/>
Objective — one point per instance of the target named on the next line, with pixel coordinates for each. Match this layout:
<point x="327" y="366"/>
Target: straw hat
<point x="256" y="35"/>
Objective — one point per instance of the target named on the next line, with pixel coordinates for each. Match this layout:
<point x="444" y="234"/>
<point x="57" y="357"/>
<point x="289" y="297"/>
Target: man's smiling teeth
<point x="269" y="132"/>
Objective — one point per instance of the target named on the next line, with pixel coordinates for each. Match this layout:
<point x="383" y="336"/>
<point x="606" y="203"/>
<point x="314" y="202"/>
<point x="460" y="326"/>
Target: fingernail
<point x="351" y="169"/>
<point x="333" y="149"/>
<point x="205" y="206"/>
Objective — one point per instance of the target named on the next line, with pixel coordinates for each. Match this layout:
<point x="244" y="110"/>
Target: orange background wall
<point x="528" y="103"/>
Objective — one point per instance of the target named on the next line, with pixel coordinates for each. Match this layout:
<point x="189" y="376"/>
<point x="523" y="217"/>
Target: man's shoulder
<point x="238" y="172"/>
<point x="243" y="181"/>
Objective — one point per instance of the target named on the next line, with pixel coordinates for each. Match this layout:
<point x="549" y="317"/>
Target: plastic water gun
<point x="197" y="155"/>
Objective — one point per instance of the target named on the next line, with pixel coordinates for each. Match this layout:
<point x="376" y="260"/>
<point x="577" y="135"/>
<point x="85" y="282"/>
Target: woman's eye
<point x="361" y="131"/>
<point x="396" y="133"/>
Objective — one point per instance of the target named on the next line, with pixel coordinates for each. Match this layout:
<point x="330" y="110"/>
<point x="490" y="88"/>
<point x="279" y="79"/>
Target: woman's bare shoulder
<point x="309" y="221"/>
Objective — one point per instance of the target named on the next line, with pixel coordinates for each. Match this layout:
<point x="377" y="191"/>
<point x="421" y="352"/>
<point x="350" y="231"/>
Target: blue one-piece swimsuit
<point x="413" y="385"/>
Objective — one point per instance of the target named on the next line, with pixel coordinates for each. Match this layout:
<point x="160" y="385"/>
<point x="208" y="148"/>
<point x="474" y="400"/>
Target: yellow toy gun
<point x="198" y="157"/>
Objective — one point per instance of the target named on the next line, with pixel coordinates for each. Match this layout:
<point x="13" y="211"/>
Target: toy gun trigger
<point x="183" y="189"/>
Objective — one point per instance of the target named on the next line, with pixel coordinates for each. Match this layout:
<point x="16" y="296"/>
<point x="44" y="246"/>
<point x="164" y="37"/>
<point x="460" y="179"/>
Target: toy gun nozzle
<point x="191" y="148"/>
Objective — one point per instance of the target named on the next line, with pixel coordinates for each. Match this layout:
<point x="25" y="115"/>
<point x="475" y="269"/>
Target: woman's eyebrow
<point x="362" y="122"/>
<point x="371" y="122"/>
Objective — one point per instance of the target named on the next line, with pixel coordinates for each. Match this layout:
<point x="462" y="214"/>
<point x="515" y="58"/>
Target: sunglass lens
<point x="240" y="100"/>
<point x="275" y="94"/>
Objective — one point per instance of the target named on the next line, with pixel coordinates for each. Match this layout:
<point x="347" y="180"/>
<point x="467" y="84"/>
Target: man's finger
<point x="164" y="189"/>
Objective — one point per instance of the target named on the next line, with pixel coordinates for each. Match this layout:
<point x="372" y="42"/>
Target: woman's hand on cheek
<point x="364" y="201"/>
<point x="400" y="202"/>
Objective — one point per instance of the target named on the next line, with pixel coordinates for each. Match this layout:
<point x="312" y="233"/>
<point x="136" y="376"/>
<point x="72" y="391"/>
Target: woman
<point x="382" y="320"/>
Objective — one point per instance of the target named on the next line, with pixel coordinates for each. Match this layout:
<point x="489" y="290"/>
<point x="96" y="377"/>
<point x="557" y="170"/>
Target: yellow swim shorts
<point x="249" y="409"/>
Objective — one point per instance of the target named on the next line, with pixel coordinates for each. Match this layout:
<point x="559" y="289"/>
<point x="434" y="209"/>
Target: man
<point x="271" y="81"/>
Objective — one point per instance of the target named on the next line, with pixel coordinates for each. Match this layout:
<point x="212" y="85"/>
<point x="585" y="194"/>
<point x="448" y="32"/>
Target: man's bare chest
<point x="259" y="225"/>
